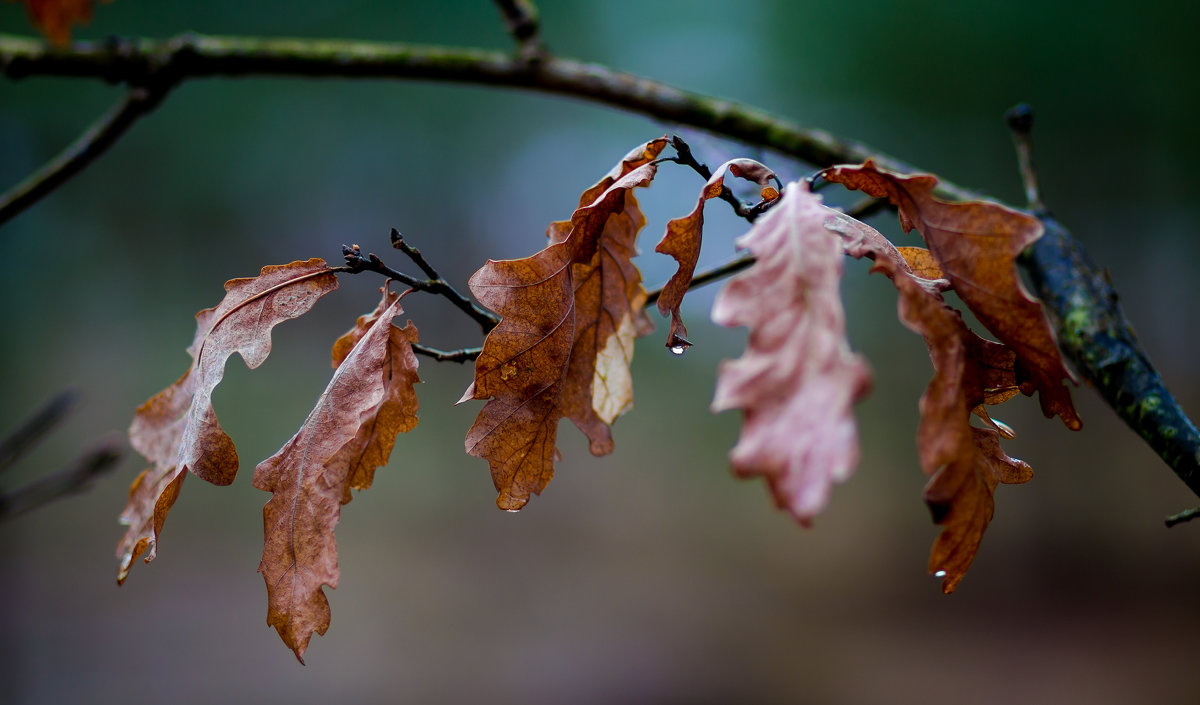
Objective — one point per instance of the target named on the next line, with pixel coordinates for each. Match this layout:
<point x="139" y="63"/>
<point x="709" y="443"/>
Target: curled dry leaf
<point x="349" y="433"/>
<point x="976" y="244"/>
<point x="683" y="237"/>
<point x="798" y="380"/>
<point x="965" y="463"/>
<point x="54" y="18"/>
<point x="177" y="429"/>
<point x="563" y="346"/>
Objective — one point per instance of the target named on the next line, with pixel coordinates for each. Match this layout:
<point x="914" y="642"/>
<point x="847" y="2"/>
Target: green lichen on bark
<point x="1097" y="338"/>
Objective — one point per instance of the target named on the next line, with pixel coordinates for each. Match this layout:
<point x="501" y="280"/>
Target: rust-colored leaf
<point x="177" y="429"/>
<point x="349" y="433"/>
<point x="570" y="314"/>
<point x="976" y="244"/>
<point x="54" y="18"/>
<point x="798" y="380"/>
<point x="965" y="463"/>
<point x="683" y="238"/>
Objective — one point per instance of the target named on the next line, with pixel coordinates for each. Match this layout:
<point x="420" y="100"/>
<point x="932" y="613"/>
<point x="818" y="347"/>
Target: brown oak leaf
<point x="177" y="429"/>
<point x="976" y="244"/>
<point x="798" y="380"/>
<point x="683" y="238"/>
<point x="563" y="346"/>
<point x="965" y="463"/>
<point x="349" y="433"/>
<point x="54" y="18"/>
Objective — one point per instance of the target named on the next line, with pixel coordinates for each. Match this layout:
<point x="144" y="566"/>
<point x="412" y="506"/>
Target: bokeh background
<point x="651" y="575"/>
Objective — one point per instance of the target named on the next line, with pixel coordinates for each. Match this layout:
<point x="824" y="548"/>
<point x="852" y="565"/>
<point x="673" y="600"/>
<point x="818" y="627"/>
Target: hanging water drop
<point x="940" y="574"/>
<point x="678" y="349"/>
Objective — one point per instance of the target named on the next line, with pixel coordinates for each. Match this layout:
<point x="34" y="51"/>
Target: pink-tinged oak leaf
<point x="798" y="380"/>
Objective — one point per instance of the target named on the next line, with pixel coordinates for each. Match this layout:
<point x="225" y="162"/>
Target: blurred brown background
<point x="651" y="575"/>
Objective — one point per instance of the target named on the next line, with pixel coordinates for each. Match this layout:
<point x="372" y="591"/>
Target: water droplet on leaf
<point x="940" y="574"/>
<point x="678" y="349"/>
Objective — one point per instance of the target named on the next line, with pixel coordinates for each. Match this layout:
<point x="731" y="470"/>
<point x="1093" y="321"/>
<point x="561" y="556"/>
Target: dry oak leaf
<point x="177" y="429"/>
<point x="976" y="244"/>
<point x="563" y="346"/>
<point x="683" y="237"/>
<point x="798" y="380"/>
<point x="965" y="463"/>
<point x="54" y="18"/>
<point x="349" y="433"/>
<point x="609" y="308"/>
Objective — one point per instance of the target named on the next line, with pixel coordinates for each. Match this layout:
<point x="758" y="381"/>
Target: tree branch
<point x="1092" y="330"/>
<point x="195" y="56"/>
<point x="90" y="145"/>
<point x="72" y="479"/>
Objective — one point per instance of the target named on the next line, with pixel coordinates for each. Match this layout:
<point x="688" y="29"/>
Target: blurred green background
<point x="651" y="575"/>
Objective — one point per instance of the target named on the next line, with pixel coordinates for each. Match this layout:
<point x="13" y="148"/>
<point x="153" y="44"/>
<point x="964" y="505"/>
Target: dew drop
<point x="940" y="574"/>
<point x="678" y="349"/>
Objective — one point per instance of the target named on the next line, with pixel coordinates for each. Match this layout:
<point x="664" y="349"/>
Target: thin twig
<point x="72" y="479"/>
<point x="27" y="435"/>
<point x="460" y="355"/>
<point x="90" y="145"/>
<point x="860" y="210"/>
<point x="356" y="262"/>
<point x="1186" y="515"/>
<point x="685" y="157"/>
<point x="1020" y="123"/>
<point x="521" y="19"/>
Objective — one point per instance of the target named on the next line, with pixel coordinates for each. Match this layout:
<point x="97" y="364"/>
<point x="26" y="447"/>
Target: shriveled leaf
<point x="348" y="434"/>
<point x="976" y="244"/>
<point x="569" y="315"/>
<point x="798" y="380"/>
<point x="177" y="429"/>
<point x="55" y="18"/>
<point x="683" y="238"/>
<point x="960" y="498"/>
<point x="965" y="463"/>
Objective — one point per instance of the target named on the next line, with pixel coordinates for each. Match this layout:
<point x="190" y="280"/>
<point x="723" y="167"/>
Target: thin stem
<point x="72" y="160"/>
<point x="1186" y="515"/>
<point x="72" y="479"/>
<point x="521" y="19"/>
<point x="29" y="433"/>
<point x="685" y="157"/>
<point x="460" y="355"/>
<point x="860" y="210"/>
<point x="356" y="262"/>
<point x="1020" y="123"/>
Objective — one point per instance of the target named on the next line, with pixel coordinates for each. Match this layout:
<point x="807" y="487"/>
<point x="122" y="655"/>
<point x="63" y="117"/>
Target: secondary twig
<point x="685" y="157"/>
<point x="27" y="435"/>
<point x="863" y="209"/>
<point x="1186" y="515"/>
<point x="1020" y="123"/>
<point x="521" y="19"/>
<point x="91" y="144"/>
<point x="460" y="355"/>
<point x="74" y="478"/>
<point x="356" y="262"/>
